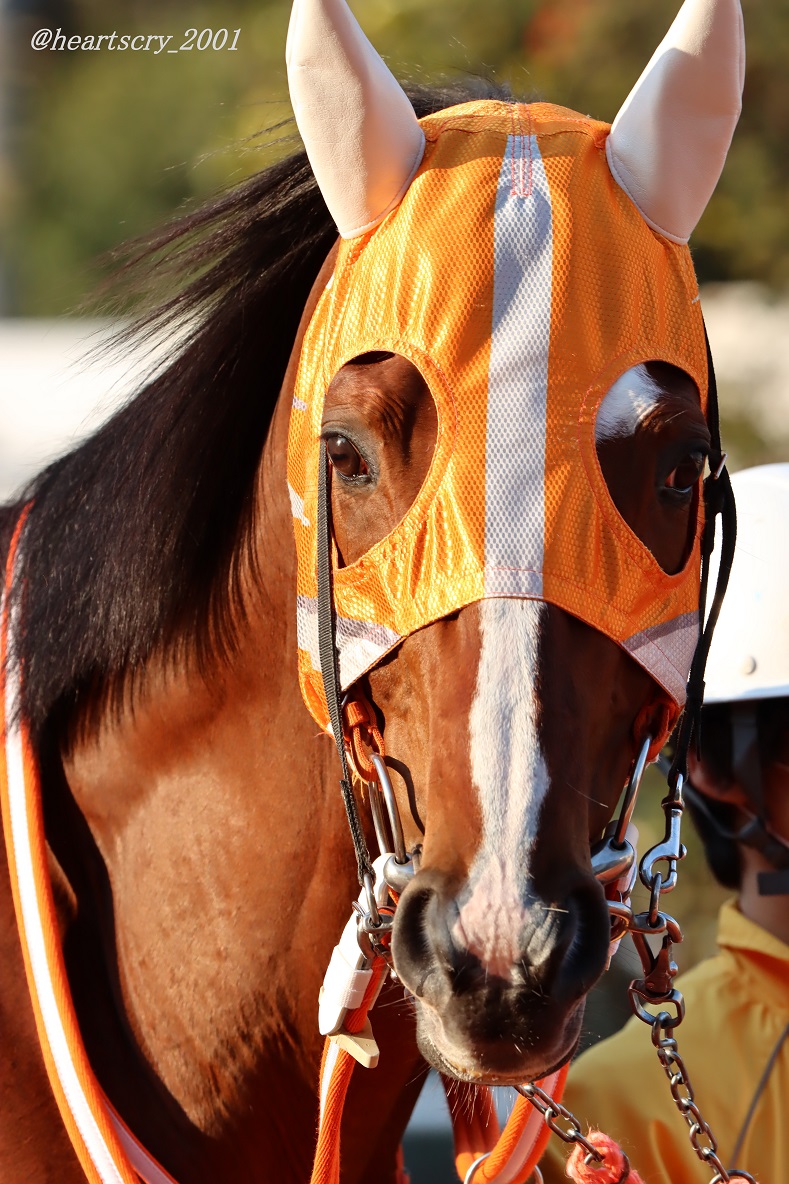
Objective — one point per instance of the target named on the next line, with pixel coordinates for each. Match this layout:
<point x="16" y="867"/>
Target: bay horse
<point x="197" y="849"/>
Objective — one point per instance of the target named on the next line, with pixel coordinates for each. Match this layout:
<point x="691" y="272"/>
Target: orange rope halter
<point x="361" y="731"/>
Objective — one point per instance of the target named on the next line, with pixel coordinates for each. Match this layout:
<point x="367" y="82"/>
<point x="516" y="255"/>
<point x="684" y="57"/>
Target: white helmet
<point x="749" y="658"/>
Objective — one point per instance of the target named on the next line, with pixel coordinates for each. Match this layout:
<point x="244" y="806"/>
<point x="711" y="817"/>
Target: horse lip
<point x="471" y="1076"/>
<point x="463" y="1070"/>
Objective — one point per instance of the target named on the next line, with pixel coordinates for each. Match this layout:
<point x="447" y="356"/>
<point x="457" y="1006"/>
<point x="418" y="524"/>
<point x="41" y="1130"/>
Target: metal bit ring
<point x="395" y="825"/>
<point x="469" y="1176"/>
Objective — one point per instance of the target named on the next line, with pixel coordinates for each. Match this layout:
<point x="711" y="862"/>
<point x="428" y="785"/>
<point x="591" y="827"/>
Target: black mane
<point x="134" y="538"/>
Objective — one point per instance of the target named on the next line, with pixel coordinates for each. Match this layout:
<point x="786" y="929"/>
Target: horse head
<point x="507" y="372"/>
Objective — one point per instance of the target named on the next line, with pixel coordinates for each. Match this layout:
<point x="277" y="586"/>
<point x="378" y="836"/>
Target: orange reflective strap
<point x="107" y="1151"/>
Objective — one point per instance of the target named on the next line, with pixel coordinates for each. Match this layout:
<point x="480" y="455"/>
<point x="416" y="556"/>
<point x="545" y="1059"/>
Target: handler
<point x="734" y="1039"/>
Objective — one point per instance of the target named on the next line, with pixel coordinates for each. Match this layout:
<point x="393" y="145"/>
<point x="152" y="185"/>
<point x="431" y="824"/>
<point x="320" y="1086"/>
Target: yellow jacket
<point x="737" y="1009"/>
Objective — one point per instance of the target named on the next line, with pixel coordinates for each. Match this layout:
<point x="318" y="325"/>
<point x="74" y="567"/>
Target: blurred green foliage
<point x="106" y="145"/>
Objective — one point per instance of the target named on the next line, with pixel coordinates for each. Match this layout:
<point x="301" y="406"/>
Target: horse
<point x="196" y="848"/>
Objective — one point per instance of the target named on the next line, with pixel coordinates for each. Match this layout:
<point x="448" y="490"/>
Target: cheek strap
<point x="327" y="649"/>
<point x="718" y="501"/>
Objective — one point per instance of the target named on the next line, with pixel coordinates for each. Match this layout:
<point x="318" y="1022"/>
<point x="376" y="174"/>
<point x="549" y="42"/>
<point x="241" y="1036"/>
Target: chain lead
<point x="656" y="987"/>
<point x="551" y="1111"/>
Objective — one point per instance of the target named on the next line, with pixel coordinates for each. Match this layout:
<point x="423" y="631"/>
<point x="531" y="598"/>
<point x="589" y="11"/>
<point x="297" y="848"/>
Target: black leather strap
<point x="718" y="501"/>
<point x="327" y="649"/>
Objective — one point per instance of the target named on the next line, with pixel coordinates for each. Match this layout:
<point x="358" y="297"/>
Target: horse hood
<point x="521" y="279"/>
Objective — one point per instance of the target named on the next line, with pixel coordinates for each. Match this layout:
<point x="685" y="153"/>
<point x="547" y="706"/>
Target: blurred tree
<point x="114" y="142"/>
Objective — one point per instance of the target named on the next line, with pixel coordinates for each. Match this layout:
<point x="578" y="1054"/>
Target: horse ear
<point x="362" y="137"/>
<point x="668" y="143"/>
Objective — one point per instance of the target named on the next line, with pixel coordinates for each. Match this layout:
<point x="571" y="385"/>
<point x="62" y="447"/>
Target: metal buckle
<point x="721" y="466"/>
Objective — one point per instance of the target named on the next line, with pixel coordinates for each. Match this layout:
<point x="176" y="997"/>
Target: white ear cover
<point x="668" y="143"/>
<point x="362" y="137"/>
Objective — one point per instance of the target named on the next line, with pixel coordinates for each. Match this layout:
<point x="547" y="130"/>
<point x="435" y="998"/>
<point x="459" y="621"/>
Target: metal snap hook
<point x="671" y="849"/>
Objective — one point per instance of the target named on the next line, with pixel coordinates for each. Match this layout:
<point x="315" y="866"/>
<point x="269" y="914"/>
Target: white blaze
<point x="510" y="775"/>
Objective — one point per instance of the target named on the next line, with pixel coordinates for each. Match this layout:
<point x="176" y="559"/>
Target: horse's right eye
<point x="345" y="457"/>
<point x="683" y="478"/>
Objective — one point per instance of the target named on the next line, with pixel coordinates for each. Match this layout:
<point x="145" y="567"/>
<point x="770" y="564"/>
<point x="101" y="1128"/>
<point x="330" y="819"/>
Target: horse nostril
<point x="581" y="952"/>
<point x="560" y="953"/>
<point x="557" y="950"/>
<point x="414" y="947"/>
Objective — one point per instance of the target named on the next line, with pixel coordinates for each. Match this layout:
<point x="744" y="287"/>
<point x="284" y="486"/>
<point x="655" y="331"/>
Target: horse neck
<point x="214" y="828"/>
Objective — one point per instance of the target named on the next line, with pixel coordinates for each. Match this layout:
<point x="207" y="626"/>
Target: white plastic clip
<point x="349" y="971"/>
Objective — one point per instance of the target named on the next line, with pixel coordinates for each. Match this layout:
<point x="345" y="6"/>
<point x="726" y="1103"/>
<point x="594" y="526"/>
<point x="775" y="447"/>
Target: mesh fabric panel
<point x="522" y="282"/>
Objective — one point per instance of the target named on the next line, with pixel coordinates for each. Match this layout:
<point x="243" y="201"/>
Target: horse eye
<point x="345" y="457"/>
<point x="684" y="477"/>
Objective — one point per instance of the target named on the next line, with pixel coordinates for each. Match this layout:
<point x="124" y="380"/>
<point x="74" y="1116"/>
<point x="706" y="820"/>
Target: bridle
<point x="613" y="858"/>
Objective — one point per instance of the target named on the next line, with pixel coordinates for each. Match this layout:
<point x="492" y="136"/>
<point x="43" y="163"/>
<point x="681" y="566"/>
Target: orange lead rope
<point x="509" y="1158"/>
<point x="482" y="1154"/>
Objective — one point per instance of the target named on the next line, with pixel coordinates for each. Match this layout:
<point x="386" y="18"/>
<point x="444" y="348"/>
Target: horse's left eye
<point x="683" y="478"/>
<point x="344" y="456"/>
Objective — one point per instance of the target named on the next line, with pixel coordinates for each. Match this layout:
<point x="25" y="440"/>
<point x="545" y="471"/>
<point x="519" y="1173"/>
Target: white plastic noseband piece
<point x="668" y="143"/>
<point x="362" y="137"/>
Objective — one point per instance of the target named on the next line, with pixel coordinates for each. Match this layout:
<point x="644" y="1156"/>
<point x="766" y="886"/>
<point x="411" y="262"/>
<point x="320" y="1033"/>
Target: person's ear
<point x="702" y="779"/>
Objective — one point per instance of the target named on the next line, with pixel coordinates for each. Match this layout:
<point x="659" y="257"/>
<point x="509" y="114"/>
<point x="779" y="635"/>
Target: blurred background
<point x="99" y="146"/>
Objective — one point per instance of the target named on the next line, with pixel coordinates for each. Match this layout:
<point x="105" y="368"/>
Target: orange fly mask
<point x="515" y="255"/>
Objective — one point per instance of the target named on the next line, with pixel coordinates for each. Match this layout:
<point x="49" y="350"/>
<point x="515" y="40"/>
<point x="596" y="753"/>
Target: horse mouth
<point x="504" y="1061"/>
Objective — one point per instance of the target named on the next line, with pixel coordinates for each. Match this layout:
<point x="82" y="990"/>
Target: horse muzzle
<point x="508" y="1013"/>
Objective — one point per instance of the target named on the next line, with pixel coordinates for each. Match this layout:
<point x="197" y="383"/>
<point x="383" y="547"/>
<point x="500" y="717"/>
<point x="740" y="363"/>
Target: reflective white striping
<point x="666" y="651"/>
<point x="146" y="1168"/>
<point x="518" y="375"/>
<point x="34" y="937"/>
<point x="510" y="775"/>
<point x="297" y="506"/>
<point x="360" y="644"/>
<point x="627" y="404"/>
